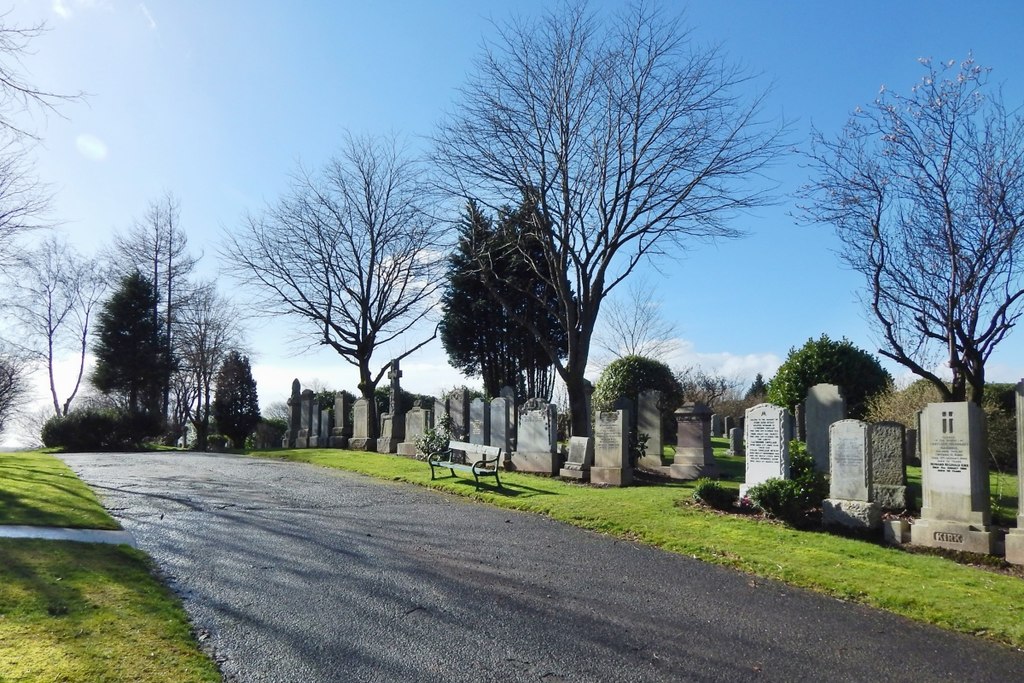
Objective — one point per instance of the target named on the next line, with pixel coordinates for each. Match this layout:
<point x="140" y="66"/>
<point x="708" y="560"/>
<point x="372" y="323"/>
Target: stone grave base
<point x="578" y="474"/>
<point x="691" y="470"/>
<point x="302" y="442"/>
<point x="896" y="531"/>
<point x="363" y="444"/>
<point x="313" y="442"/>
<point x="890" y="497"/>
<point x="387" y="445"/>
<point x="1015" y="546"/>
<point x="852" y="514"/>
<point x="540" y="463"/>
<point x="407" y="448"/>
<point x="339" y="442"/>
<point x="933" y="533"/>
<point x="652" y="463"/>
<point x="613" y="476"/>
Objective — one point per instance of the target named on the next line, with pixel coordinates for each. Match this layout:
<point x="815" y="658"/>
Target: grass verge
<point x="923" y="587"/>
<point x="91" y="612"/>
<point x="39" y="490"/>
<point x="82" y="611"/>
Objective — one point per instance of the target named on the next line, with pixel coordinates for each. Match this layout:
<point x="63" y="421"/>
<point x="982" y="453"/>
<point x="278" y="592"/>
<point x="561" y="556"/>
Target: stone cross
<point x="394" y="375"/>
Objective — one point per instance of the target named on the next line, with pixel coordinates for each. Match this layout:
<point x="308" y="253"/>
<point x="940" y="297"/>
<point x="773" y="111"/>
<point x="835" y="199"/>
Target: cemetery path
<point x="291" y="572"/>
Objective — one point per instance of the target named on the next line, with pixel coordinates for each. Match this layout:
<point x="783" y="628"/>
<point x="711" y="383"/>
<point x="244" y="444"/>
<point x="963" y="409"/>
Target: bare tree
<point x="53" y="292"/>
<point x="158" y="246"/>
<point x="705" y="387"/>
<point x="13" y="372"/>
<point x="22" y="198"/>
<point x="208" y="328"/>
<point x="352" y="252"/>
<point x="633" y="325"/>
<point x="630" y="142"/>
<point x="926" y="193"/>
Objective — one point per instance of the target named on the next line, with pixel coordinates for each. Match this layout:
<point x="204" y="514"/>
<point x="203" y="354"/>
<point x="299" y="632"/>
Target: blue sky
<point x="218" y="101"/>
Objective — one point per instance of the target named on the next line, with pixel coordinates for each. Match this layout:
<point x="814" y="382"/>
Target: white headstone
<point x="536" y="446"/>
<point x="850" y="502"/>
<point x="580" y="460"/>
<point x="954" y="479"/>
<point x="767" y="431"/>
<point x="611" y="448"/>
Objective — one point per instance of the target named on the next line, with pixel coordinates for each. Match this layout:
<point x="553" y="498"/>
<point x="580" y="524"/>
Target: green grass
<point x="39" y="490"/>
<point x="82" y="611"/>
<point x="924" y="587"/>
<point x="90" y="612"/>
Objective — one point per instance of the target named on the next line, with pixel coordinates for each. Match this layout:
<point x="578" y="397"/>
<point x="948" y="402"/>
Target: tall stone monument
<point x="537" y="444"/>
<point x="502" y="414"/>
<point x="479" y="422"/>
<point x="294" y="415"/>
<point x="362" y="427"/>
<point x="307" y="404"/>
<point x="458" y="409"/>
<point x="955" y="511"/>
<point x="823" y="406"/>
<point x="1015" y="539"/>
<point x="850" y="501"/>
<point x="649" y="423"/>
<point x="694" y="457"/>
<point x="392" y="430"/>
<point x="417" y="421"/>
<point x="767" y="431"/>
<point x="342" y="431"/>
<point x="611" y="449"/>
<point x="888" y="472"/>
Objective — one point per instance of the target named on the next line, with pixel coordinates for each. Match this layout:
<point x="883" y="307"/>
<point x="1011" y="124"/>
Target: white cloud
<point x="741" y="368"/>
<point x="91" y="147"/>
<point x="149" y="17"/>
<point x="61" y="9"/>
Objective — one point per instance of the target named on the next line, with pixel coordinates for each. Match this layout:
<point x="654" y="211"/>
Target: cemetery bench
<point x="480" y="460"/>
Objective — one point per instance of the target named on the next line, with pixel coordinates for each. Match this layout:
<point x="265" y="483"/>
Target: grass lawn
<point x="82" y="611"/>
<point x="924" y="587"/>
<point x="39" y="490"/>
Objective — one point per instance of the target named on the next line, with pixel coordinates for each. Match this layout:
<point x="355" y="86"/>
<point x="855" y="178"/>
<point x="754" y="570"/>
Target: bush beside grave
<point x="710" y="492"/>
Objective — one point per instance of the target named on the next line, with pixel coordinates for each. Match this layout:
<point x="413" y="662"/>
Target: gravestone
<point x="502" y="413"/>
<point x="888" y="472"/>
<point x="955" y="507"/>
<point x="306" y="403"/>
<point x="440" y="411"/>
<point x="767" y="432"/>
<point x="649" y="423"/>
<point x="850" y="503"/>
<point x="509" y="394"/>
<point x="717" y="427"/>
<point x="324" y="425"/>
<point x="294" y="416"/>
<point x="1015" y="538"/>
<point x="735" y="441"/>
<point x="479" y="422"/>
<point x="611" y="449"/>
<point x="362" y="427"/>
<point x="823" y="406"/>
<point x="392" y="430"/>
<point x="342" y="431"/>
<point x="536" y="448"/>
<point x="694" y="457"/>
<point x="728" y="424"/>
<point x="580" y="460"/>
<point x="910" y="449"/>
<point x="417" y="421"/>
<point x="458" y="409"/>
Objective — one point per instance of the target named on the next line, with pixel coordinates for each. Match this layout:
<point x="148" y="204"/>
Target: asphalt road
<point x="296" y="573"/>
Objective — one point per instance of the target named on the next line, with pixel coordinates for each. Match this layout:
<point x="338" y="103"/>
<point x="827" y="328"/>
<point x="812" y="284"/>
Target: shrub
<point x="630" y="375"/>
<point x="779" y="498"/>
<point x="95" y="429"/>
<point x="434" y="440"/>
<point x="856" y="371"/>
<point x="710" y="492"/>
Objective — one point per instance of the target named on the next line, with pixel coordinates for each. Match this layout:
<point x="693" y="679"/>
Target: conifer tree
<point x="236" y="407"/>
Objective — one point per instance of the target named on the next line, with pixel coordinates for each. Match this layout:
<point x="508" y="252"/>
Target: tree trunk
<point x="579" y="416"/>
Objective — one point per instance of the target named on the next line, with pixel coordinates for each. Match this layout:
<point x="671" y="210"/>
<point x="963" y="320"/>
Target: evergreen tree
<point x="758" y="389"/>
<point x="131" y="350"/>
<point x="479" y="335"/>
<point x="236" y="407"/>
